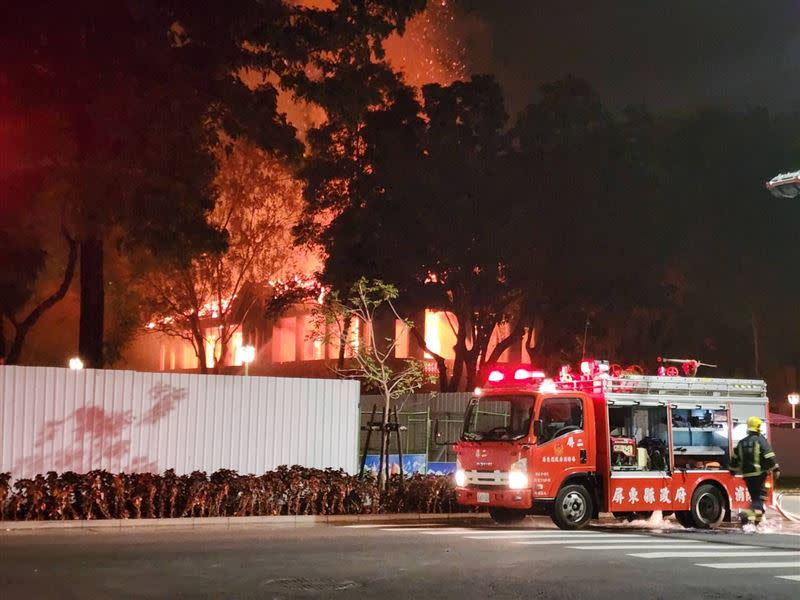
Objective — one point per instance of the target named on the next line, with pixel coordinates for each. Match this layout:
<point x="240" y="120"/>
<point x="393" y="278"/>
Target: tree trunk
<point x="200" y="345"/>
<point x="22" y="328"/>
<point x="2" y="340"/>
<point x="90" y="338"/>
<point x="441" y="364"/>
<point x="383" y="464"/>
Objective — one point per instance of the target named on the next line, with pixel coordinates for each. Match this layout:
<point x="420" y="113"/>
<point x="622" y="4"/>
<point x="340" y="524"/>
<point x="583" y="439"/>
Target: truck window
<point x="560" y="416"/>
<point x="505" y="417"/>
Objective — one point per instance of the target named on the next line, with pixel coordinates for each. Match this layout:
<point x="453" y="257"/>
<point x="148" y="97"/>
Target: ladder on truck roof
<point x="683" y="390"/>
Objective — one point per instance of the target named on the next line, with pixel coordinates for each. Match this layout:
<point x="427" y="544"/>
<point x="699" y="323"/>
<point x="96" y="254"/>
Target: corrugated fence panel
<point x="61" y="420"/>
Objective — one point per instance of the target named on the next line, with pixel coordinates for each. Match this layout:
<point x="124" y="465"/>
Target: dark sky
<point x="668" y="54"/>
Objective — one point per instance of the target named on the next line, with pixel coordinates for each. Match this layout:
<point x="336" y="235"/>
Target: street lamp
<point x="75" y="363"/>
<point x="794" y="400"/>
<point x="247" y="354"/>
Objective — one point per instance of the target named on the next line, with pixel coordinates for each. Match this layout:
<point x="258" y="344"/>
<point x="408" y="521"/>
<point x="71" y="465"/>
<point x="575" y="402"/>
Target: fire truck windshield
<point x="506" y="417"/>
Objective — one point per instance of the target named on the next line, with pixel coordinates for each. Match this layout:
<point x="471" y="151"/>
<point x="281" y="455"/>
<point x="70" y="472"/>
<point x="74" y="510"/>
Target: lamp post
<point x="794" y="400"/>
<point x="247" y="354"/>
<point x="75" y="363"/>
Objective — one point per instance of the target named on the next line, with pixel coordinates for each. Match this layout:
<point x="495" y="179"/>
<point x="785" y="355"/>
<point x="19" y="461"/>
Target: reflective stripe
<point x="769" y="455"/>
<point x="757" y="456"/>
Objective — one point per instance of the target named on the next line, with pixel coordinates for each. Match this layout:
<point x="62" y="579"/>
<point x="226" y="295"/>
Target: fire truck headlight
<point x="517" y="480"/>
<point x="461" y="478"/>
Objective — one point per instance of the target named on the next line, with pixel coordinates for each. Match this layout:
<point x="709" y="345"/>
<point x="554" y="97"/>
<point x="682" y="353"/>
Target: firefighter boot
<point x="748" y="519"/>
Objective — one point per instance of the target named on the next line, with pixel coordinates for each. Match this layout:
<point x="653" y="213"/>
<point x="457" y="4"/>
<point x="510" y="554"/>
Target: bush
<point x="285" y="491"/>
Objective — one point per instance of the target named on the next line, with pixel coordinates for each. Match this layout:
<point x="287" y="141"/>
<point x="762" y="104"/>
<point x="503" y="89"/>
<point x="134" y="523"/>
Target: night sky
<point x="668" y="54"/>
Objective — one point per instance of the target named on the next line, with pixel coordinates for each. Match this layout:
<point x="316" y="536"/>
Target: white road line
<point x="611" y="539"/>
<point x="567" y="539"/>
<point x="548" y="533"/>
<point x="365" y="526"/>
<point x="789" y="577"/>
<point x="414" y="529"/>
<point x="752" y="565"/>
<point x="476" y="532"/>
<point x="636" y="547"/>
<point x="713" y="553"/>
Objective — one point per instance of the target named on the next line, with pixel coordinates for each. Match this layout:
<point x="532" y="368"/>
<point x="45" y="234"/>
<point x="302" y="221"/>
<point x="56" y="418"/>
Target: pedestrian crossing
<point x="641" y="546"/>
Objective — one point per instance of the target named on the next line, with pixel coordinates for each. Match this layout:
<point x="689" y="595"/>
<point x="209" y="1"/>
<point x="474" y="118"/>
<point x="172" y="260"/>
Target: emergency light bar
<point x="514" y="374"/>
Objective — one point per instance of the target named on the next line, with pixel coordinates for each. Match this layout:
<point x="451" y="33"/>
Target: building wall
<point x="58" y="419"/>
<point x="786" y="443"/>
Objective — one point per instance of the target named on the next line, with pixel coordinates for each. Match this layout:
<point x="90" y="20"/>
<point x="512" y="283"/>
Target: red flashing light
<point x="496" y="376"/>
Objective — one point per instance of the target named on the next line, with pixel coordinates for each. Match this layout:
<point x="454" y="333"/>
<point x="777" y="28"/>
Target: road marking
<point x="542" y="532"/>
<point x="752" y="565"/>
<point x="789" y="577"/>
<point x="635" y="547"/>
<point x="714" y="553"/>
<point x="364" y="526"/>
<point x="610" y="539"/>
<point x="545" y="538"/>
<point x="414" y="529"/>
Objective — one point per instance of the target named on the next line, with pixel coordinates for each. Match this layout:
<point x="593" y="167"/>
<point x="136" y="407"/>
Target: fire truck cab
<point x="628" y="444"/>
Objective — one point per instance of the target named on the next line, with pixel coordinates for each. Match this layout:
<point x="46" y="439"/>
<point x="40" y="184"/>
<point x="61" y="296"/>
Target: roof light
<point x="496" y="376"/>
<point x="547" y="386"/>
<point x="478" y="391"/>
<point x="522" y="374"/>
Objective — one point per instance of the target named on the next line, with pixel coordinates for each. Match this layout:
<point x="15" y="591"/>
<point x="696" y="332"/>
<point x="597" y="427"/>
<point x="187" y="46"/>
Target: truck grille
<point x="487" y="478"/>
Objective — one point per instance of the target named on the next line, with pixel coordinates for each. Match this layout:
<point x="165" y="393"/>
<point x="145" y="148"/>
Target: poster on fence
<point x="441" y="468"/>
<point x="412" y="463"/>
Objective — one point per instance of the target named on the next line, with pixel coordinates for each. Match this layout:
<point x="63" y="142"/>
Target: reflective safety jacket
<point x="753" y="456"/>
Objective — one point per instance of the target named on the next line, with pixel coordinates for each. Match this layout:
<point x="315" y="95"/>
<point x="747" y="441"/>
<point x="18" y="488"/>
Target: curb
<point x="192" y="522"/>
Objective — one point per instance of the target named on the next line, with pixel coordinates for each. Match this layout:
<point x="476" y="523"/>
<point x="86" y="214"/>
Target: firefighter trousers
<point x="758" y="493"/>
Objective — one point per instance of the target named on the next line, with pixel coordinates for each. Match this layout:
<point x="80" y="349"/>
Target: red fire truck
<point x="605" y="441"/>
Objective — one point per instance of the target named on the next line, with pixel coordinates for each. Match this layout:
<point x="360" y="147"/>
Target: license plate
<point x="483" y="496"/>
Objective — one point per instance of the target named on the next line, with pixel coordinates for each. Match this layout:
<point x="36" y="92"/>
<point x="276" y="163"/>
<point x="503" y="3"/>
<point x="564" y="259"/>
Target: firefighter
<point x="754" y="459"/>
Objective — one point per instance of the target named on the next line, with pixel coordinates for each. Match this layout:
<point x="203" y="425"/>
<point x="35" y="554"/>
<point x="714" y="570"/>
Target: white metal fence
<point x="58" y="419"/>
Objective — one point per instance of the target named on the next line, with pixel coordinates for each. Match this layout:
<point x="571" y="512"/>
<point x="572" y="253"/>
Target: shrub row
<point x="285" y="491"/>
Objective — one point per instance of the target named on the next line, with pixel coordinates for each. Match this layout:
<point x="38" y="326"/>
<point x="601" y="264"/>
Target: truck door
<point x="564" y="443"/>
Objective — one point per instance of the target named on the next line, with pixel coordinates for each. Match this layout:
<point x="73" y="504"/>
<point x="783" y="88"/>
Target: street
<point x="421" y="560"/>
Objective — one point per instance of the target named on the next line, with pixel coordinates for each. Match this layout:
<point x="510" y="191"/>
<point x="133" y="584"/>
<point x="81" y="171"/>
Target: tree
<point x="410" y="193"/>
<point x="38" y="252"/>
<point x="25" y="260"/>
<point x="145" y="90"/>
<point x="258" y="201"/>
<point x="373" y="360"/>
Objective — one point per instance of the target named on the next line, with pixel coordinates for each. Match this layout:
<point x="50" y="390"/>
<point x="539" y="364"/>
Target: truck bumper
<point x="522" y="499"/>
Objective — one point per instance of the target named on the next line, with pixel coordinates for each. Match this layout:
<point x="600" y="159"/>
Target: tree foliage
<point x="258" y="200"/>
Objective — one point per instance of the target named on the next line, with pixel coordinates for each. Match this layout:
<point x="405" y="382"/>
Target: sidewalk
<point x="281" y="521"/>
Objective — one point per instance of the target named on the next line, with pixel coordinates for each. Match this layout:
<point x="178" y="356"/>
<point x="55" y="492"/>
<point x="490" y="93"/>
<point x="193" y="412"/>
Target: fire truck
<point x="605" y="440"/>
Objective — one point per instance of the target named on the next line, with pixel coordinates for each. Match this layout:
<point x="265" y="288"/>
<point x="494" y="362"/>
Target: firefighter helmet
<point x="753" y="424"/>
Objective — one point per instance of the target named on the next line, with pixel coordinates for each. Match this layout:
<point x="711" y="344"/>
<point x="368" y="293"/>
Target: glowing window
<point x="440" y="334"/>
<point x="402" y="337"/>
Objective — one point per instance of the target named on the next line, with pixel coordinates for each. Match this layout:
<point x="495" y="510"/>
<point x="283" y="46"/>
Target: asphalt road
<point x="461" y="560"/>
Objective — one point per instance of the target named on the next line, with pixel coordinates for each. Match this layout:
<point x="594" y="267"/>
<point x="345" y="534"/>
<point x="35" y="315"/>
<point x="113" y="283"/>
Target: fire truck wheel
<point x="573" y="507"/>
<point x="708" y="507"/>
<point x="506" y="516"/>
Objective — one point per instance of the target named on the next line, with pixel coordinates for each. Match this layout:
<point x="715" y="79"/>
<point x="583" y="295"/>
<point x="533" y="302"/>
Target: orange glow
<point x="284" y="340"/>
<point x="402" y="337"/>
<point x="439" y="335"/>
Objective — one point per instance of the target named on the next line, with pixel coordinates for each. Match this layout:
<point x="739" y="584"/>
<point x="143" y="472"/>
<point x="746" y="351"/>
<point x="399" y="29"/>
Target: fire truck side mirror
<point x="537" y="428"/>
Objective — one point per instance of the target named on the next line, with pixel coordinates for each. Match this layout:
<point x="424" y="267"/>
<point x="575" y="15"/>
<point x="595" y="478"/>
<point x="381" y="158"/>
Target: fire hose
<point x="776" y="505"/>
